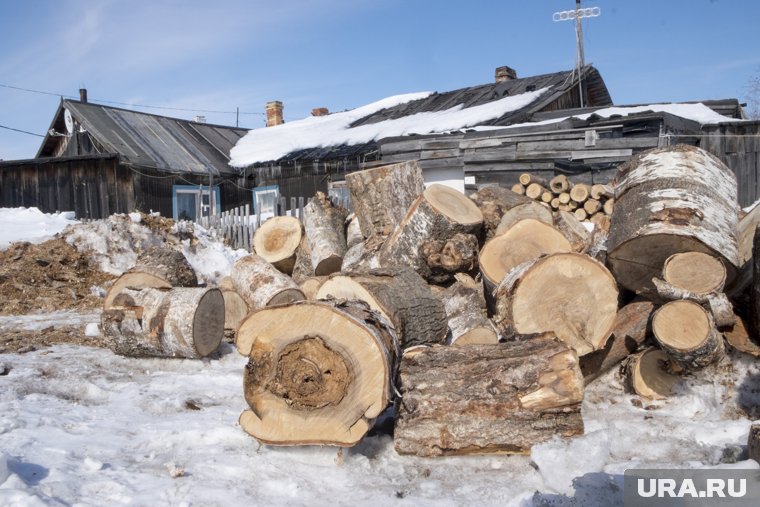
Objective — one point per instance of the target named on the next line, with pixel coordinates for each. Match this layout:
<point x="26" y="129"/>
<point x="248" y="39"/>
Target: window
<point x="265" y="200"/>
<point x="190" y="202"/>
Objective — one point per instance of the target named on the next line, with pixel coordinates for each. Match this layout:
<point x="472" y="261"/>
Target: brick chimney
<point x="320" y="111"/>
<point x="83" y="95"/>
<point x="505" y="74"/>
<point x="274" y="113"/>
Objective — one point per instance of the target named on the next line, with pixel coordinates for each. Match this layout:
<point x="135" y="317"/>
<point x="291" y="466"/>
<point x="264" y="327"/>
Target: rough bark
<point x="323" y="222"/>
<point x="303" y="268"/>
<point x="575" y="232"/>
<point x="466" y="313"/>
<point x="493" y="203"/>
<point x="235" y="307"/>
<point x="445" y="258"/>
<point x="753" y="443"/>
<point x="671" y="200"/>
<point x="277" y="241"/>
<point x="401" y="296"/>
<point x="739" y="338"/>
<point x="483" y="399"/>
<point x="569" y="294"/>
<point x="186" y="322"/>
<point x="354" y="234"/>
<point x="648" y="374"/>
<point x="686" y="332"/>
<point x="600" y="191"/>
<point x="318" y="372"/>
<point x="531" y="209"/>
<point x="382" y="195"/>
<point x="629" y="333"/>
<point x="260" y="284"/>
<point x="755" y="287"/>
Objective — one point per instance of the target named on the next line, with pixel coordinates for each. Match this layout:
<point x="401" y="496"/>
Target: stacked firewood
<point x="478" y="319"/>
<point x="560" y="194"/>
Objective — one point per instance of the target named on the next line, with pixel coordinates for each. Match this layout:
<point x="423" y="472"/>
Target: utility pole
<point x="578" y="14"/>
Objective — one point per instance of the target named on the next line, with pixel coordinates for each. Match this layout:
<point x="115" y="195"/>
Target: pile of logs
<point x="477" y="320"/>
<point x="560" y="194"/>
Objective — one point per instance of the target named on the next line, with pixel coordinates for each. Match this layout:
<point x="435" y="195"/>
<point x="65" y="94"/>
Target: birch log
<point x="235" y="307"/>
<point x="466" y="313"/>
<point x="686" y="332"/>
<point x="277" y="241"/>
<point x="318" y="372"/>
<point x="574" y="231"/>
<point x="323" y="223"/>
<point x="531" y="209"/>
<point x="671" y="200"/>
<point x="482" y="399"/>
<point x="649" y="376"/>
<point x="260" y="284"/>
<point x="185" y="322"/>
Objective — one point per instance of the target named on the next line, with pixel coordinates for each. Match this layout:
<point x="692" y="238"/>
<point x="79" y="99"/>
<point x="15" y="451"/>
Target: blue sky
<point x="341" y="54"/>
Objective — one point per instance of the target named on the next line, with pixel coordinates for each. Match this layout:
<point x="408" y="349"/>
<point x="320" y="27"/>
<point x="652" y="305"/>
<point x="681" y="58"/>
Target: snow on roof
<point x="265" y="144"/>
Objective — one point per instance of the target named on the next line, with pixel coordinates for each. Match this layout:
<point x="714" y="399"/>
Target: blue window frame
<point x="187" y="200"/>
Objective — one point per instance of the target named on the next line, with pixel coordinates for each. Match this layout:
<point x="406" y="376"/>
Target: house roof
<point x="148" y="140"/>
<point x="355" y="132"/>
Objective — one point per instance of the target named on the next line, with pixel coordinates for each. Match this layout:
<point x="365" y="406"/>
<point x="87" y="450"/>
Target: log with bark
<point x="277" y="241"/>
<point x="235" y="307"/>
<point x="482" y="399"/>
<point x="401" y="296"/>
<point x="739" y="338"/>
<point x="493" y="202"/>
<point x="466" y="314"/>
<point x="354" y="234"/>
<point x="754" y="291"/>
<point x="381" y="195"/>
<point x="687" y="333"/>
<point x="671" y="200"/>
<point x="447" y="257"/>
<point x="569" y="294"/>
<point x="592" y="206"/>
<point x="753" y="443"/>
<point x="649" y="375"/>
<point x="531" y="209"/>
<point x="323" y="222"/>
<point x="518" y="189"/>
<point x="580" y="193"/>
<point x="438" y="214"/>
<point x="535" y="191"/>
<point x="600" y="192"/>
<point x="157" y="267"/>
<point x="630" y="331"/>
<point x="573" y="230"/>
<point x="560" y="184"/>
<point x="310" y="286"/>
<point x="526" y="240"/>
<point x="186" y="322"/>
<point x="303" y="268"/>
<point x="318" y="372"/>
<point x="260" y="284"/>
<point x="527" y="178"/>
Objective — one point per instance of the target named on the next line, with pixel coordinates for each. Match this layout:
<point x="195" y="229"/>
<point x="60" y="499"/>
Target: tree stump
<point x="260" y="284"/>
<point x="482" y="399"/>
<point x="277" y="241"/>
<point x="569" y="294"/>
<point x="185" y="322"/>
<point x="318" y="372"/>
<point x="686" y="332"/>
<point x="401" y="296"/>
<point x="671" y="200"/>
<point x="466" y="313"/>
<point x="323" y="223"/>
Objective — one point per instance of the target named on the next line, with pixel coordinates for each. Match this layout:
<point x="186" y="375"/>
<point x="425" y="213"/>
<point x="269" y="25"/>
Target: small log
<point x="466" y="313"/>
<point x="592" y="206"/>
<point x="554" y="203"/>
<point x="401" y="296"/>
<point x="686" y="332"/>
<point x="739" y="338"/>
<point x="601" y="222"/>
<point x="444" y="258"/>
<point x="157" y="267"/>
<point x="186" y="322"/>
<point x="381" y="195"/>
<point x="438" y="214"/>
<point x="580" y="193"/>
<point x="753" y="443"/>
<point x="560" y="184"/>
<point x="648" y="374"/>
<point x="518" y="189"/>
<point x="564" y="198"/>
<point x="580" y="214"/>
<point x="311" y="286"/>
<point x="353" y="231"/>
<point x="574" y="231"/>
<point x="530" y="209"/>
<point x="524" y="241"/>
<point x="318" y="372"/>
<point x="277" y="241"/>
<point x="600" y="191"/>
<point x="695" y="272"/>
<point x="534" y="191"/>
<point x="569" y="294"/>
<point x="547" y="197"/>
<point x="323" y="223"/>
<point x="482" y="399"/>
<point x="260" y="284"/>
<point x="609" y="207"/>
<point x="629" y="332"/>
<point x="303" y="268"/>
<point x="527" y="178"/>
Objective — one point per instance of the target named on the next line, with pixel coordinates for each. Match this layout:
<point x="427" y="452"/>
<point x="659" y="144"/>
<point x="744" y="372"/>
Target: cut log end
<point x="277" y="240"/>
<point x="208" y="322"/>
<point x="696" y="272"/>
<point x="453" y="204"/>
<point x="686" y="331"/>
<point x="648" y="375"/>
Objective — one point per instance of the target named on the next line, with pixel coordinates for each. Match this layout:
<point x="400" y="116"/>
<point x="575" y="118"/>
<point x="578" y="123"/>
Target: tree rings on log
<point x="531" y="209"/>
<point x="318" y="372"/>
<point x="277" y="240"/>
<point x="686" y="331"/>
<point x="695" y="272"/>
<point x="648" y="374"/>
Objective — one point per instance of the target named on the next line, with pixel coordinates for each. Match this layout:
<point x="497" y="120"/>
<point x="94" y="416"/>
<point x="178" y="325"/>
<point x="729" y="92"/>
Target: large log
<point x="671" y="200"/>
<point x="629" y="333"/>
<point x="323" y="222"/>
<point x="438" y="214"/>
<point x="277" y="241"/>
<point x="401" y="296"/>
<point x="185" y="322"/>
<point x="381" y="195"/>
<point x="260" y="284"/>
<point x="157" y="267"/>
<point x="569" y="294"/>
<point x="481" y="399"/>
<point x="531" y="209"/>
<point x="686" y="332"/>
<point x="493" y="202"/>
<point x="318" y="372"/>
<point x="466" y="313"/>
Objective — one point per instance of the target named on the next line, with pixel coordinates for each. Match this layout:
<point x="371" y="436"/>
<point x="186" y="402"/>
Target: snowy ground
<point x="82" y="426"/>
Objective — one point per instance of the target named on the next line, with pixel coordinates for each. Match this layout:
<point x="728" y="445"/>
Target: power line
<point x="22" y="131"/>
<point x="104" y="101"/>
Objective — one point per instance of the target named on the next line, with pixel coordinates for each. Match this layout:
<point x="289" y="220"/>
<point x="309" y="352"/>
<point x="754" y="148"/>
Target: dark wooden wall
<point x="738" y="146"/>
